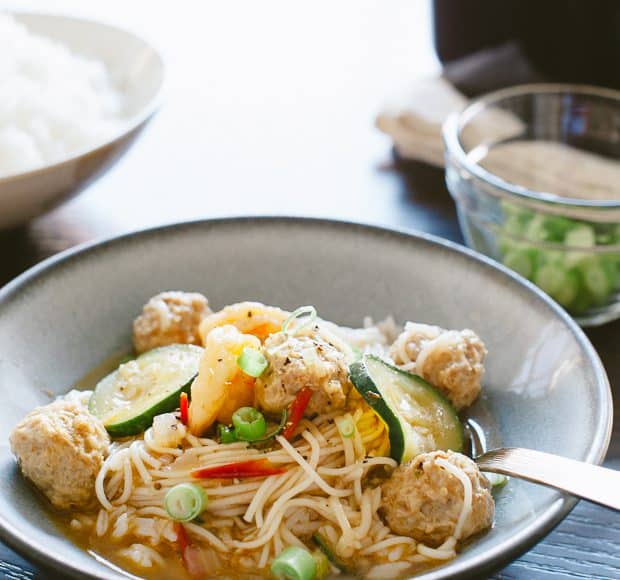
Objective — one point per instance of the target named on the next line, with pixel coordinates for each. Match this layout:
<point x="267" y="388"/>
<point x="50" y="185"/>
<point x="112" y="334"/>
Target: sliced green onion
<point x="346" y="426"/>
<point x="322" y="564"/>
<point x="294" y="563"/>
<point x="324" y="546"/>
<point x="277" y="430"/>
<point x="227" y="434"/>
<point x="566" y="294"/>
<point x="496" y="480"/>
<point x="550" y="278"/>
<point x="249" y="424"/>
<point x="597" y="281"/>
<point x="303" y="311"/>
<point x="185" y="502"/>
<point x="581" y="236"/>
<point x="358" y="353"/>
<point x="252" y="362"/>
<point x="521" y="261"/>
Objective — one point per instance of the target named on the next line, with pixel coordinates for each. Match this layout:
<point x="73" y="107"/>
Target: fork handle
<point x="592" y="482"/>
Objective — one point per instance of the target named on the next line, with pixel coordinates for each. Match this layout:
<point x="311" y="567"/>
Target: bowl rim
<point x="490" y="560"/>
<point x="457" y="120"/>
<point x="128" y="126"/>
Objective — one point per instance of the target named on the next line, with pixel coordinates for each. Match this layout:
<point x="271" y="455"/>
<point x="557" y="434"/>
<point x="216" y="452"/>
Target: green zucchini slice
<point x="128" y="398"/>
<point x="418" y="416"/>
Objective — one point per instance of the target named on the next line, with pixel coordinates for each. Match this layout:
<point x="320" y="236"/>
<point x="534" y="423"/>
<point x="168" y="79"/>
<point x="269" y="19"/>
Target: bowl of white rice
<point x="74" y="95"/>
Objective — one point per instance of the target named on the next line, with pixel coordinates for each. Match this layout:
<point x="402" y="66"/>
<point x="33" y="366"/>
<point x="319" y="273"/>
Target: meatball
<point x="61" y="447"/>
<point x="296" y="362"/>
<point x="423" y="500"/>
<point x="170" y="318"/>
<point x="451" y="360"/>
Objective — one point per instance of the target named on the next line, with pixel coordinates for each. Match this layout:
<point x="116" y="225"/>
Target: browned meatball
<point x="423" y="500"/>
<point x="61" y="447"/>
<point x="451" y="360"/>
<point x="296" y="362"/>
<point x="170" y="318"/>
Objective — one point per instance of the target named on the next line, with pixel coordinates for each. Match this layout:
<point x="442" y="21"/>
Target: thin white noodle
<point x="290" y="538"/>
<point x="314" y="476"/>
<point x="357" y="489"/>
<point x="380" y="546"/>
<point x="266" y="487"/>
<point x="366" y="520"/>
<point x="147" y="458"/>
<point x="441" y="553"/>
<point x="153" y="511"/>
<point x="207" y="535"/>
<point x="99" y="483"/>
<point x="224" y="490"/>
<point x="218" y="504"/>
<point x="229" y="513"/>
<point x="343" y="522"/>
<point x="314" y="430"/>
<point x="276" y="513"/>
<point x="150" y="443"/>
<point x="264" y="557"/>
<point x="139" y="464"/>
<point x="127" y="484"/>
<point x="277" y="544"/>
<point x="467" y="494"/>
<point x="391" y="570"/>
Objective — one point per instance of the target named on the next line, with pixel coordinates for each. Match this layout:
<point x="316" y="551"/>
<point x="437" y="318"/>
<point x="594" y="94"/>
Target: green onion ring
<point x="252" y="362"/>
<point x="249" y="424"/>
<point x="302" y="311"/>
<point x="226" y="434"/>
<point x="294" y="563"/>
<point x="185" y="502"/>
<point x="346" y="426"/>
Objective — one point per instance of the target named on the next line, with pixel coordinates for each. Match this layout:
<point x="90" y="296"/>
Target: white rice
<point x="53" y="103"/>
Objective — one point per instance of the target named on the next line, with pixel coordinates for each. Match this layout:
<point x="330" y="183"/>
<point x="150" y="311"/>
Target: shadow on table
<point x="426" y="199"/>
<point x="19" y="252"/>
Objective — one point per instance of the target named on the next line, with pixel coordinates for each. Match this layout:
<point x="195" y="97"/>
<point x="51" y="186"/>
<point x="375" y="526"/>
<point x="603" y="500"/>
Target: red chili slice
<point x="251" y="468"/>
<point x="193" y="557"/>
<point x="184" y="407"/>
<point x="298" y="408"/>
<point x="182" y="537"/>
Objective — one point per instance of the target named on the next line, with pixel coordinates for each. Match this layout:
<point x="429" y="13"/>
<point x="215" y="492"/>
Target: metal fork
<point x="597" y="484"/>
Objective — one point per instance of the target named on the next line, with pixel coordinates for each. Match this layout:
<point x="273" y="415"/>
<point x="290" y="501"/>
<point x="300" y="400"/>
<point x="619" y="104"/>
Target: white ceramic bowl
<point x="545" y="387"/>
<point x="136" y="68"/>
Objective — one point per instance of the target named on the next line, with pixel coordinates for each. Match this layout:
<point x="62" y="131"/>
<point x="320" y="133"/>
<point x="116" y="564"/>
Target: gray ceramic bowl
<point x="545" y="385"/>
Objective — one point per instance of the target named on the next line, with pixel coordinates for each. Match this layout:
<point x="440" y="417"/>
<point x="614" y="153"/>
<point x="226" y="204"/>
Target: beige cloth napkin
<point x="415" y="124"/>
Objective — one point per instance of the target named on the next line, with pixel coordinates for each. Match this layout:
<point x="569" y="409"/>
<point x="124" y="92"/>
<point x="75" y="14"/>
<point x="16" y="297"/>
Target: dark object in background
<point x="562" y="40"/>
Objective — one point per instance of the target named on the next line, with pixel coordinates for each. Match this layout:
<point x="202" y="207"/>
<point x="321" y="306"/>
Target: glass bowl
<point x="535" y="174"/>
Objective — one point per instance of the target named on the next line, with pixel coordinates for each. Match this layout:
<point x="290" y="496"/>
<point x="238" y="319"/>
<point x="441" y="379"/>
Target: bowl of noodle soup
<point x="271" y="470"/>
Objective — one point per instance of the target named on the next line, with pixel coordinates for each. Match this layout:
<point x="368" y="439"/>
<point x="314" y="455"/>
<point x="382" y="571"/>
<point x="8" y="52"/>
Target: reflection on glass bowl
<point x="534" y="171"/>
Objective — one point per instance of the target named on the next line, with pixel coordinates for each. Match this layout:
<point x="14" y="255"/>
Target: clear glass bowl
<point x="535" y="173"/>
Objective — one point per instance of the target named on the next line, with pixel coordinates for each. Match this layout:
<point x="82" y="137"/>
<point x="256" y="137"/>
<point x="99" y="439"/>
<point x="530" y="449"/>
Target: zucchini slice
<point x="418" y="417"/>
<point x="128" y="398"/>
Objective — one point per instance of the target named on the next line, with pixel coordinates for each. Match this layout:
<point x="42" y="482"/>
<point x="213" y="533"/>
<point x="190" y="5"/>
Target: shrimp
<point x="248" y="317"/>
